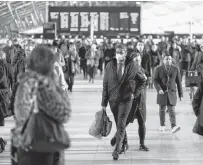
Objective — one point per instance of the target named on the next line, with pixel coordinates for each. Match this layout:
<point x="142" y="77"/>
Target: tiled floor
<point x="165" y="148"/>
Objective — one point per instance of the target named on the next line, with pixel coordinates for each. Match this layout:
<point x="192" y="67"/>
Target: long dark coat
<point x="115" y="90"/>
<point x="6" y="80"/>
<point x="139" y="97"/>
<point x="169" y="83"/>
<point x="197" y="103"/>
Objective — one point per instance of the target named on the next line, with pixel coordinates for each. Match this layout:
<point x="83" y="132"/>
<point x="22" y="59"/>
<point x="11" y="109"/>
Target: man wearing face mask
<point x="166" y="78"/>
<point x="118" y="88"/>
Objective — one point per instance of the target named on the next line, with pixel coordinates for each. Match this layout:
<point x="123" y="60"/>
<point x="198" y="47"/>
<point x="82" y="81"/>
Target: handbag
<point x="198" y="129"/>
<point x="192" y="79"/>
<point x="42" y="134"/>
<point x="106" y="125"/>
<point x="95" y="128"/>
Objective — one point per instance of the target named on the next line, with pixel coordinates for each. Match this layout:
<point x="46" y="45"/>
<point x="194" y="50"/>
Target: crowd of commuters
<point x="128" y="69"/>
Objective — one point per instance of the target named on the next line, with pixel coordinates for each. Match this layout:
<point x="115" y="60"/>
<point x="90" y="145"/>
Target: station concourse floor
<point x="165" y="148"/>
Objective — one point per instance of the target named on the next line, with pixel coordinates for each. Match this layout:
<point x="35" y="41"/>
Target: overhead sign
<point x="49" y="30"/>
<point x="108" y="21"/>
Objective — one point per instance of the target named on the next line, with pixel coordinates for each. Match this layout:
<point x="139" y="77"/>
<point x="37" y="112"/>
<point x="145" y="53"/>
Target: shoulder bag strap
<point x="34" y="108"/>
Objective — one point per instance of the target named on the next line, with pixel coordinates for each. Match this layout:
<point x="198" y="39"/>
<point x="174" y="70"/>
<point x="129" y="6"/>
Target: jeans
<point x="172" y="115"/>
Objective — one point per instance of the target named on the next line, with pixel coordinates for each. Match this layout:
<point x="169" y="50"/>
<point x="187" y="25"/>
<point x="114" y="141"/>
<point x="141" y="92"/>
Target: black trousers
<point x="70" y="81"/>
<point x="141" y="128"/>
<point x="120" y="112"/>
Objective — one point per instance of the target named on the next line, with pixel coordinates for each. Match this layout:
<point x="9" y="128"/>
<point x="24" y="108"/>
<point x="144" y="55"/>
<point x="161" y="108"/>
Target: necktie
<point x="119" y="71"/>
<point x="167" y="69"/>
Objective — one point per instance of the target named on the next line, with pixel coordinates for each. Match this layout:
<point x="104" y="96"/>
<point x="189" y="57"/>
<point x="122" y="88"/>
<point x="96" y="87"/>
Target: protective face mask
<point x="120" y="57"/>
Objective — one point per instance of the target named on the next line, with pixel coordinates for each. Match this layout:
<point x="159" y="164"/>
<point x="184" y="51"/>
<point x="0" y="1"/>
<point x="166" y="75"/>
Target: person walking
<point x="118" y="89"/>
<point x="38" y="81"/>
<point x="166" y="78"/>
<point x="138" y="110"/>
<point x="6" y="80"/>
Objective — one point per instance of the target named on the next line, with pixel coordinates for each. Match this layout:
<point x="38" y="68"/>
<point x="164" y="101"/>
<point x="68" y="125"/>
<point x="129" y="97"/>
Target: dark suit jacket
<point x="160" y="82"/>
<point x="116" y="91"/>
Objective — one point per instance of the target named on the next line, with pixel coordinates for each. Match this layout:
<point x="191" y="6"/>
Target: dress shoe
<point x="115" y="155"/>
<point x="113" y="141"/>
<point x="124" y="148"/>
<point x="143" y="148"/>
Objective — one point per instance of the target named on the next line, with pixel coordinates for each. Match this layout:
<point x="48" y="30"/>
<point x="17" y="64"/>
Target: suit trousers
<point x="120" y="112"/>
<point x="172" y="115"/>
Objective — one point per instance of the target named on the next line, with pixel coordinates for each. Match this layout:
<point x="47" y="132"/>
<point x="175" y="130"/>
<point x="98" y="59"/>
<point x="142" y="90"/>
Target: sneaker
<point x="161" y="128"/>
<point x="175" y="129"/>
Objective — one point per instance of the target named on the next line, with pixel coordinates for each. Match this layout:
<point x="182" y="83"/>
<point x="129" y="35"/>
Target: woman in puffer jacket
<point x="51" y="99"/>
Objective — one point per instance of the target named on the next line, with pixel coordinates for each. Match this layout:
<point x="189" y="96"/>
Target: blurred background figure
<point x="6" y="80"/>
<point x="51" y="99"/>
<point x="92" y="57"/>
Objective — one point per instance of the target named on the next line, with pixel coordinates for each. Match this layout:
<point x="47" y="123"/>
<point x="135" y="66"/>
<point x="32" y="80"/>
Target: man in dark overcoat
<point x="118" y="89"/>
<point x="167" y="80"/>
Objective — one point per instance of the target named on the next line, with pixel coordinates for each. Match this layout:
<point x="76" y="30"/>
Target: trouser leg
<point x="123" y="112"/>
<point x="162" y="109"/>
<point x="141" y="128"/>
<point x="172" y="115"/>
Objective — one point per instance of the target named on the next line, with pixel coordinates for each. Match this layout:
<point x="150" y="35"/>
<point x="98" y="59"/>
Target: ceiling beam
<point x="13" y="16"/>
<point x="35" y="11"/>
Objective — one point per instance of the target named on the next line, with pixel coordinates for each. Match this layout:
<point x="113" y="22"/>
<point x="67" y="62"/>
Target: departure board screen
<point x="108" y="21"/>
<point x="114" y="21"/>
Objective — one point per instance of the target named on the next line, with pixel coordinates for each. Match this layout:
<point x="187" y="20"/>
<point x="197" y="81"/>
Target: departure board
<point x="107" y="21"/>
<point x="114" y="21"/>
<point x="49" y="30"/>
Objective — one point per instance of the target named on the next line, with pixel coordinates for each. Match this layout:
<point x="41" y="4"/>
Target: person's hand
<point x="161" y="92"/>
<point x="145" y="77"/>
<point x="104" y="109"/>
<point x="181" y="99"/>
<point x="132" y="97"/>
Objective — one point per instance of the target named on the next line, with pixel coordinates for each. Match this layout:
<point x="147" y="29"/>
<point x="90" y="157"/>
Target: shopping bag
<point x="106" y="125"/>
<point x="198" y="129"/>
<point x="95" y="128"/>
<point x="192" y="79"/>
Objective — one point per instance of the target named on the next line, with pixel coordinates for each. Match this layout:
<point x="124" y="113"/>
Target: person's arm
<point x="132" y="74"/>
<point x="197" y="99"/>
<point x="157" y="80"/>
<point x="194" y="63"/>
<point x="179" y="83"/>
<point x="62" y="61"/>
<point x="140" y="81"/>
<point x="10" y="75"/>
<point x="105" y="96"/>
